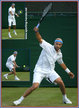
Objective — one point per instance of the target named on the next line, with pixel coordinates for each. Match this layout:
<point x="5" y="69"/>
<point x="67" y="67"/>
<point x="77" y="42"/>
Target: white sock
<point x="15" y="76"/>
<point x="14" y="31"/>
<point x="21" y="99"/>
<point x="9" y="33"/>
<point x="6" y="74"/>
<point x="64" y="96"/>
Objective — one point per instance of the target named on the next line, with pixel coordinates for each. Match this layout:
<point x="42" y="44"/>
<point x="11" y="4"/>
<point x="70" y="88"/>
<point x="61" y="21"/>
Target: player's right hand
<point x="36" y="29"/>
<point x="71" y="75"/>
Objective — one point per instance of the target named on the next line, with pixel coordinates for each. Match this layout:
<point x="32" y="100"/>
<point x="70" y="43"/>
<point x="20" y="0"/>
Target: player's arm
<point x="38" y="36"/>
<point x="61" y="63"/>
<point x="11" y="13"/>
<point x="16" y="14"/>
<point x="67" y="70"/>
<point x="15" y="64"/>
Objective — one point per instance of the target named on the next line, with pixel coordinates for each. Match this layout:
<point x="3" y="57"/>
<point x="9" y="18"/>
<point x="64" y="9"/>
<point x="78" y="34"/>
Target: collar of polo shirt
<point x="59" y="51"/>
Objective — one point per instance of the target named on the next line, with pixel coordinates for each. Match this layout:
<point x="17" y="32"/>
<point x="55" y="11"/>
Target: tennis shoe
<point x="15" y="33"/>
<point x="9" y="35"/>
<point x="16" y="78"/>
<point x="66" y="101"/>
<point x="5" y="76"/>
<point x="17" y="102"/>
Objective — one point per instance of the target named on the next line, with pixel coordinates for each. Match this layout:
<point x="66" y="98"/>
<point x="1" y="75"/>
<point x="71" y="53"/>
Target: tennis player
<point x="11" y="65"/>
<point x="45" y="67"/>
<point x="11" y="19"/>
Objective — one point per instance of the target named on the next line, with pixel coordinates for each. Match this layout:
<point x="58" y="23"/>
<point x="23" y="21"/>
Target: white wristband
<point x="67" y="70"/>
<point x="16" y="14"/>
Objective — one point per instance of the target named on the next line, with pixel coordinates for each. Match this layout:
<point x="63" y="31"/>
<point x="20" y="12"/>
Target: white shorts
<point x="38" y="77"/>
<point x="9" y="66"/>
<point x="11" y="21"/>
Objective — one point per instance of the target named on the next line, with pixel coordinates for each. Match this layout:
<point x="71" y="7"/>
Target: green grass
<point x="20" y="34"/>
<point x="40" y="97"/>
<point x="24" y="76"/>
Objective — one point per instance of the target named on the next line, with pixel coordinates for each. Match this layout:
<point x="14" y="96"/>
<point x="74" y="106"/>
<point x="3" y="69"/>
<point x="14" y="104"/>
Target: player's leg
<point x="10" y="73"/>
<point x="61" y="85"/>
<point x="6" y="75"/>
<point x="9" y="23"/>
<point x="27" y="92"/>
<point x="37" y="78"/>
<point x="14" y="26"/>
<point x="10" y="67"/>
<point x="54" y="77"/>
<point x="62" y="88"/>
<point x="14" y="72"/>
<point x="9" y="31"/>
<point x="31" y="89"/>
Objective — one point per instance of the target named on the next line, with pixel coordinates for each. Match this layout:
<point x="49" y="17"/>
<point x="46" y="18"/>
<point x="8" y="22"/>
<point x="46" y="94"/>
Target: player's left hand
<point x="18" y="66"/>
<point x="17" y="15"/>
<point x="71" y="75"/>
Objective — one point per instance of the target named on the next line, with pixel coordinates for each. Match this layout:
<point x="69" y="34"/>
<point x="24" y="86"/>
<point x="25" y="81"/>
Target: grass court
<point x="20" y="34"/>
<point x="41" y="97"/>
<point x="23" y="76"/>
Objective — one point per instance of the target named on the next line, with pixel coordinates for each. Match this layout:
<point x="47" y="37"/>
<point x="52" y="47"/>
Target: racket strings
<point x="47" y="9"/>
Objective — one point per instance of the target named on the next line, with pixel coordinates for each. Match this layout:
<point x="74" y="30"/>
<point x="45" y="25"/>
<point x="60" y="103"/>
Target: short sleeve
<point x="10" y="9"/>
<point x="14" y="10"/>
<point x="46" y="46"/>
<point x="12" y="58"/>
<point x="60" y="60"/>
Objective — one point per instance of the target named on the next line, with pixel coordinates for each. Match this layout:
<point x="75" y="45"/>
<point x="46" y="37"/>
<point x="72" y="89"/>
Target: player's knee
<point x="35" y="86"/>
<point x="13" y="70"/>
<point x="60" y="82"/>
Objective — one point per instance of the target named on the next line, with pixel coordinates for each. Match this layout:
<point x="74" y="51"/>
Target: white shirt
<point x="11" y="59"/>
<point x="47" y="58"/>
<point x="13" y="12"/>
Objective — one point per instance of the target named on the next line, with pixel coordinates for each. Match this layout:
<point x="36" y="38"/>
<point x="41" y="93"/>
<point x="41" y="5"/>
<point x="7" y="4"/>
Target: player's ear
<point x="61" y="45"/>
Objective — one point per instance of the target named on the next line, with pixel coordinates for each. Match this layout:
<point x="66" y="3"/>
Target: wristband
<point x="16" y="14"/>
<point x="36" y="31"/>
<point x="67" y="70"/>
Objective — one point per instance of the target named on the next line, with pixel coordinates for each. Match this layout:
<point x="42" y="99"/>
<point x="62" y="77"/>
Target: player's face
<point x="13" y="6"/>
<point x="57" y="45"/>
<point x="15" y="55"/>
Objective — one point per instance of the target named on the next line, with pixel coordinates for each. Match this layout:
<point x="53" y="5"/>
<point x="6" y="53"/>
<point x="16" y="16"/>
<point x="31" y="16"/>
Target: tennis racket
<point x="45" y="12"/>
<point x="24" y="67"/>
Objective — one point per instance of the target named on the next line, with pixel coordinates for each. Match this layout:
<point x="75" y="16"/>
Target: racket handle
<point x="18" y="66"/>
<point x="38" y="25"/>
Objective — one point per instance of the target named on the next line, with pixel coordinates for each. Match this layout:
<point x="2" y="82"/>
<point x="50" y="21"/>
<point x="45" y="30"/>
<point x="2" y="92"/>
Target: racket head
<point x="46" y="10"/>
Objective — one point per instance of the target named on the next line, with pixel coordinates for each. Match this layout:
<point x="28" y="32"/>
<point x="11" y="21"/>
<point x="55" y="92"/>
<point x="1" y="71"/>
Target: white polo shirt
<point x="11" y="59"/>
<point x="47" y="58"/>
<point x="13" y="12"/>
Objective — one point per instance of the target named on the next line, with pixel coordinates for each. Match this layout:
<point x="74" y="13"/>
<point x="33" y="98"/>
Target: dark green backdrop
<point x="55" y="25"/>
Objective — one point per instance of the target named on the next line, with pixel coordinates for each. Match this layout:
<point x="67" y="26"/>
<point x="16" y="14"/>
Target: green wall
<point x="65" y="27"/>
